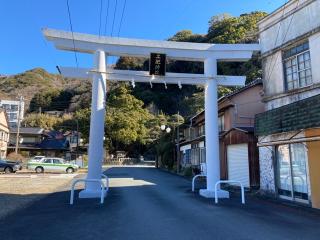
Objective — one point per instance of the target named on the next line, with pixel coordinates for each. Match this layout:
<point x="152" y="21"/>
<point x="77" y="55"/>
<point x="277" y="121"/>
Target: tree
<point x="52" y="99"/>
<point x="187" y="36"/>
<point x="126" y="118"/>
<point x="45" y="121"/>
<point x="228" y="29"/>
<point x="82" y="116"/>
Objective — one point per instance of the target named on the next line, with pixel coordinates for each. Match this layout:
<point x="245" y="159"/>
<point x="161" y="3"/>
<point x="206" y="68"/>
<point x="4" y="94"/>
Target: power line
<point x="123" y="9"/>
<point x="71" y="28"/>
<point x="114" y="17"/>
<point x="100" y="18"/>
<point x="107" y="14"/>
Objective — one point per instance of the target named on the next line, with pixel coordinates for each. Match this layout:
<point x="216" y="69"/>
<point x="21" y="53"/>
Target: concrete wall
<point x="246" y="105"/>
<point x="201" y="144"/>
<point x="314" y="44"/>
<point x="297" y="17"/>
<point x="273" y="77"/>
<point x="240" y="109"/>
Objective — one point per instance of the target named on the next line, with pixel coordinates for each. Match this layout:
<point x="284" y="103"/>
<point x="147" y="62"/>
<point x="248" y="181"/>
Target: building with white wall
<point x="288" y="131"/>
<point x="4" y="134"/>
<point x="12" y="109"/>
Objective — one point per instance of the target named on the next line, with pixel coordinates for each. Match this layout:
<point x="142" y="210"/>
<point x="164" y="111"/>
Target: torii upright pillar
<point x="98" y="104"/>
<point x="212" y="131"/>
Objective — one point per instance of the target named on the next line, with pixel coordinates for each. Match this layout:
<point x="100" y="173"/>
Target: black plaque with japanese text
<point x="157" y="64"/>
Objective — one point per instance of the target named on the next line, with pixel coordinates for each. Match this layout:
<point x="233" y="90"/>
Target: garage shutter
<point x="238" y="163"/>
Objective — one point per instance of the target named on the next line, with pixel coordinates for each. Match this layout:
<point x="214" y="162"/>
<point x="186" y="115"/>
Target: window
<point x="56" y="161"/>
<point x="6" y="106"/>
<point x="292" y="179"/>
<point x="188" y="156"/>
<point x="12" y="116"/>
<point x="201" y="130"/>
<point x="221" y="123"/>
<point x="48" y="161"/>
<point x="297" y="66"/>
<point x="14" y="107"/>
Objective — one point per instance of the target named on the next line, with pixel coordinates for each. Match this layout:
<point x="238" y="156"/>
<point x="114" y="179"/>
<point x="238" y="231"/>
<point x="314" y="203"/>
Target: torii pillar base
<point x="86" y="193"/>
<point x="210" y="193"/>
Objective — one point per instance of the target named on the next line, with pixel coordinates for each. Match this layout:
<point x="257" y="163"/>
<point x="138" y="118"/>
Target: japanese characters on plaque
<point x="157" y="64"/>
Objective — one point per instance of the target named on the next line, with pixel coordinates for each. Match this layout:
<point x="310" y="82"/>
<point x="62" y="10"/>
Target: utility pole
<point x="178" y="144"/>
<point x="18" y="127"/>
<point x="77" y="149"/>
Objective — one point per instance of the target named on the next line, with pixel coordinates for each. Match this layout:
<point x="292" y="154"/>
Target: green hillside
<point x="32" y="82"/>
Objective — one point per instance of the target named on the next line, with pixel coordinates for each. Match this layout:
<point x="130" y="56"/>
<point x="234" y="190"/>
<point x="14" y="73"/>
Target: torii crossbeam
<point x="102" y="47"/>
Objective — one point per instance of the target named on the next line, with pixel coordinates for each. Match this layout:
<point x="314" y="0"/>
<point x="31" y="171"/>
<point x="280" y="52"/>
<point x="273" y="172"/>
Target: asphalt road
<point x="145" y="203"/>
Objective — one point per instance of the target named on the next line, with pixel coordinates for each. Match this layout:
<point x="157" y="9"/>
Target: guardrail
<point x="107" y="181"/>
<point x="104" y="187"/>
<point x="203" y="167"/>
<point x="194" y="179"/>
<point x="228" y="181"/>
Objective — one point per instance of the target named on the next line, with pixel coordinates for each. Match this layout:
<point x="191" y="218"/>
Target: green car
<point x="49" y="164"/>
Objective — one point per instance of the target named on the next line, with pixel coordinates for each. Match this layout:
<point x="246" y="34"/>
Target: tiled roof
<point x="27" y="130"/>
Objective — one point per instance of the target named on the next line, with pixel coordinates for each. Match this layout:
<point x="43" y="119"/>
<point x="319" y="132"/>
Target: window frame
<point x="221" y="123"/>
<point x="295" y="56"/>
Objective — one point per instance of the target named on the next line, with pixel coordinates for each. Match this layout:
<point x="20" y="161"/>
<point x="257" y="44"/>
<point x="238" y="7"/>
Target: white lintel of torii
<point x="102" y="47"/>
<point x="143" y="76"/>
<point x="114" y="46"/>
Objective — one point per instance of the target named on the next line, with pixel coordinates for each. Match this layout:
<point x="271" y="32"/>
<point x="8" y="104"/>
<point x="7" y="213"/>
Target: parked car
<point x="37" y="158"/>
<point x="9" y="166"/>
<point x="49" y="164"/>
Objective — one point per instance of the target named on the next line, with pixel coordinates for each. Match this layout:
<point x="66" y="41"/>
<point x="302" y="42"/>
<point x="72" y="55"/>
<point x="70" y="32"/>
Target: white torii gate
<point x="102" y="47"/>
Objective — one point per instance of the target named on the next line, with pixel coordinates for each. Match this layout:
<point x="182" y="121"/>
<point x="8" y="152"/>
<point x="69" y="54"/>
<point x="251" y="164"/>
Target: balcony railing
<point x="193" y="133"/>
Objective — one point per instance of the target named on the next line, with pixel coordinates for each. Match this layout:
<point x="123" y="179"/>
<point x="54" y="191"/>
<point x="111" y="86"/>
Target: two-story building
<point x="288" y="132"/>
<point x="4" y="133"/>
<point x="239" y="158"/>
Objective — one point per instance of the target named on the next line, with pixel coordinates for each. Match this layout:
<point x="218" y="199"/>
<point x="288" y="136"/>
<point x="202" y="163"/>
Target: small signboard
<point x="157" y="64"/>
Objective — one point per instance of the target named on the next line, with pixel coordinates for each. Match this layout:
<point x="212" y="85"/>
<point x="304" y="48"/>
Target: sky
<point x="22" y="46"/>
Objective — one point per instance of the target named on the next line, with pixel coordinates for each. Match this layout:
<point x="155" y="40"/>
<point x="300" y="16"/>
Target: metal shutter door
<point x="238" y="163"/>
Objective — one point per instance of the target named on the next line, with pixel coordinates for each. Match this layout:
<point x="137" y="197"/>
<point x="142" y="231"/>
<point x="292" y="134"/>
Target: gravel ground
<point x="19" y="190"/>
